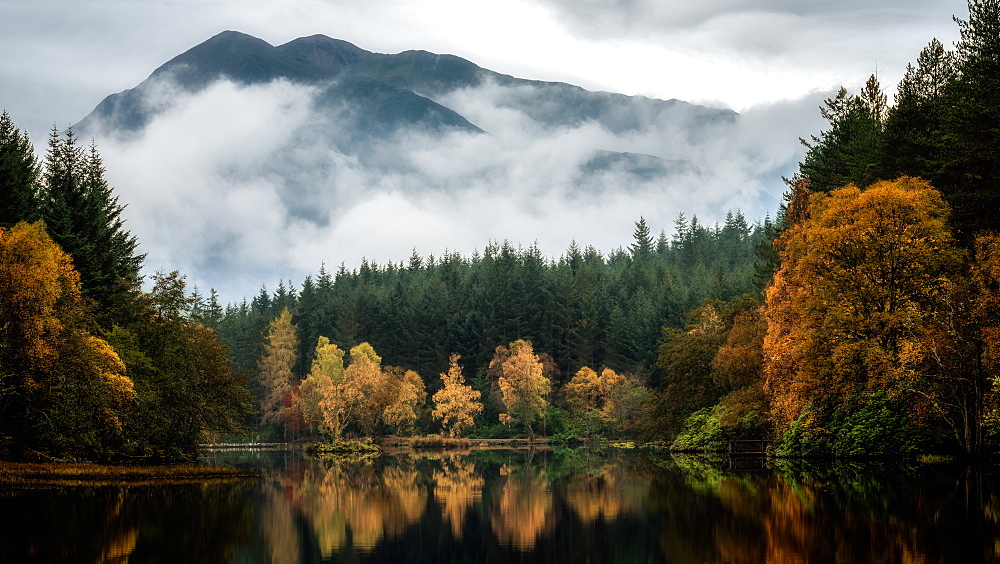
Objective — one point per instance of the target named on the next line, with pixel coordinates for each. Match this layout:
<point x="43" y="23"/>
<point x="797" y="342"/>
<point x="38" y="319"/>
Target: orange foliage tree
<point x="859" y="279"/>
<point x="62" y="389"/>
<point x="962" y="360"/>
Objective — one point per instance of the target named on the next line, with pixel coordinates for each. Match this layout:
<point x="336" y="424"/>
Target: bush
<point x="877" y="427"/>
<point x="702" y="431"/>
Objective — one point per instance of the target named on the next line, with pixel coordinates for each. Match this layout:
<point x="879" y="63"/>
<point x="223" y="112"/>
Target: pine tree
<point x="642" y="245"/>
<point x="84" y="217"/>
<point x="973" y="123"/>
<point x="19" y="175"/>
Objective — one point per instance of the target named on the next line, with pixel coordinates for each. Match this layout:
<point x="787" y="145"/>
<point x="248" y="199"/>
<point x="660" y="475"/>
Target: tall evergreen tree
<point x="19" y="175"/>
<point x="973" y="123"/>
<point x="84" y="217"/>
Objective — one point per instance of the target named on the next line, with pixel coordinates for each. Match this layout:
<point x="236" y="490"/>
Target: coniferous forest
<point x="864" y="320"/>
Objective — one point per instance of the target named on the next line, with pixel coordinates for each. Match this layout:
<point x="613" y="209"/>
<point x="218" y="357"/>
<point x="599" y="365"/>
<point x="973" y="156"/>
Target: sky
<point x="771" y="60"/>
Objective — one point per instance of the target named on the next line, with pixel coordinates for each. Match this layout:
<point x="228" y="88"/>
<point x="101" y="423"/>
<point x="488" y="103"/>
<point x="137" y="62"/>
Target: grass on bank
<point x="15" y="474"/>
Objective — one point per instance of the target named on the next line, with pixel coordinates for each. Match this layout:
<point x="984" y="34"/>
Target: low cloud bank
<point x="236" y="186"/>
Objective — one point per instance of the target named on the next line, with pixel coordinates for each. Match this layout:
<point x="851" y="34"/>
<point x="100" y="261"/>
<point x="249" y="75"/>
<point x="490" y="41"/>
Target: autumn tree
<point x="588" y="391"/>
<point x="326" y="373"/>
<point x="364" y="395"/>
<point x="455" y="404"/>
<point x="62" y="389"/>
<point x="857" y="283"/>
<point x="406" y="396"/>
<point x="280" y="352"/>
<point x="525" y="388"/>
<point x="961" y="364"/>
<point x="583" y="392"/>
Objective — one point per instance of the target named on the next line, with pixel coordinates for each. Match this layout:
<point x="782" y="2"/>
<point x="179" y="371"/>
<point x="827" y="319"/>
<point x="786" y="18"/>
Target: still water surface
<point x="506" y="505"/>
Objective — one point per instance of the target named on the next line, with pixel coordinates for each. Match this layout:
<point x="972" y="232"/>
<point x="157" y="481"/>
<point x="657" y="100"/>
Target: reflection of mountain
<point x="372" y="95"/>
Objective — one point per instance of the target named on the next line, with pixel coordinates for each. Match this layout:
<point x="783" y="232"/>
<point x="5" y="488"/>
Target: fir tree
<point x="84" y="217"/>
<point x="19" y="175"/>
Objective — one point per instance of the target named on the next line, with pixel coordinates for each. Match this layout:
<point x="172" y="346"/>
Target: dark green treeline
<point x="584" y="309"/>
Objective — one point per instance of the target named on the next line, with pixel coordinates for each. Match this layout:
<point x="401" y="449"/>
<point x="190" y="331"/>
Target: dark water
<point x="511" y="506"/>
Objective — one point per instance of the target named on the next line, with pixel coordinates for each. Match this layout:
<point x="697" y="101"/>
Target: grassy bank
<point x="26" y="474"/>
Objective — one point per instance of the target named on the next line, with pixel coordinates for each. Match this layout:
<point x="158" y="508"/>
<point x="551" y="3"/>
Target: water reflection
<point x="457" y="487"/>
<point x="499" y="506"/>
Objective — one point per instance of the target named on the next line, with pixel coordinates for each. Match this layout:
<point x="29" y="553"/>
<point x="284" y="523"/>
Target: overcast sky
<point x="225" y="208"/>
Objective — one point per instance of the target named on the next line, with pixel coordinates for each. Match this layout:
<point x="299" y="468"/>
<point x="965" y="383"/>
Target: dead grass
<point x="26" y="474"/>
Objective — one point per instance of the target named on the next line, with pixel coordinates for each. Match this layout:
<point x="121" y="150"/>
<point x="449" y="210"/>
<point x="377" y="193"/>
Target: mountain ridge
<point x="415" y="82"/>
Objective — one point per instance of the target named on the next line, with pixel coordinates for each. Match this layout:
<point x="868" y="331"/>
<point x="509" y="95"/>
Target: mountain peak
<point x="385" y="91"/>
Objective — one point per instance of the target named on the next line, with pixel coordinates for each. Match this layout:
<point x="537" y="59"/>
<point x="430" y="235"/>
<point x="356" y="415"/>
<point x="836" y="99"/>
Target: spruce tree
<point x="973" y="123"/>
<point x="83" y="215"/>
<point x="19" y="174"/>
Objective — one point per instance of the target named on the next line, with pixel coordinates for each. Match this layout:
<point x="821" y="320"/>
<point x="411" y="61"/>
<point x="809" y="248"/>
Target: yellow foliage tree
<point x="280" y="354"/>
<point x="326" y="372"/>
<point x="583" y="392"/>
<point x="455" y="404"/>
<point x="524" y="385"/>
<point x="406" y="394"/>
<point x="61" y="388"/>
<point x="364" y="394"/>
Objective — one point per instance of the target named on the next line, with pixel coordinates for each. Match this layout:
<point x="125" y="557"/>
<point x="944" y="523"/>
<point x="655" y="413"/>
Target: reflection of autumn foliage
<point x="525" y="509"/>
<point x="123" y="538"/>
<point x="605" y="495"/>
<point x="843" y="515"/>
<point x="352" y="503"/>
<point x="456" y="487"/>
<point x="278" y="521"/>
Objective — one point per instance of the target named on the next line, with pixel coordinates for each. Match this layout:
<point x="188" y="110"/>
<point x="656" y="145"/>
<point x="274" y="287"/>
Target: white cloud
<point x="238" y="186"/>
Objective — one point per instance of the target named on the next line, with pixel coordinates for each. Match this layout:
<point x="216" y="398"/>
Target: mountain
<point x="377" y="94"/>
<point x="244" y="162"/>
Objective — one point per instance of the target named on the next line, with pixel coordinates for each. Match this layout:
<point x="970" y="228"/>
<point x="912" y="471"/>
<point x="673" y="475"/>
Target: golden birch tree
<point x="524" y="386"/>
<point x="456" y="403"/>
<point x="362" y="395"/>
<point x="326" y="373"/>
<point x="583" y="392"/>
<point x="62" y="389"/>
<point x="407" y="394"/>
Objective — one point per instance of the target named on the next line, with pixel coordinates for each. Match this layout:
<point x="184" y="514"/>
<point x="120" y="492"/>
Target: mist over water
<point x="238" y="186"/>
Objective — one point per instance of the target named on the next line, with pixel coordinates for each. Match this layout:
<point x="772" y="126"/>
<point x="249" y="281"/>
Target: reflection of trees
<point x="190" y="522"/>
<point x="278" y="521"/>
<point x="122" y="536"/>
<point x="525" y="509"/>
<point x="457" y="486"/>
<point x="838" y="514"/>
<point x="605" y="494"/>
<point x="352" y="503"/>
